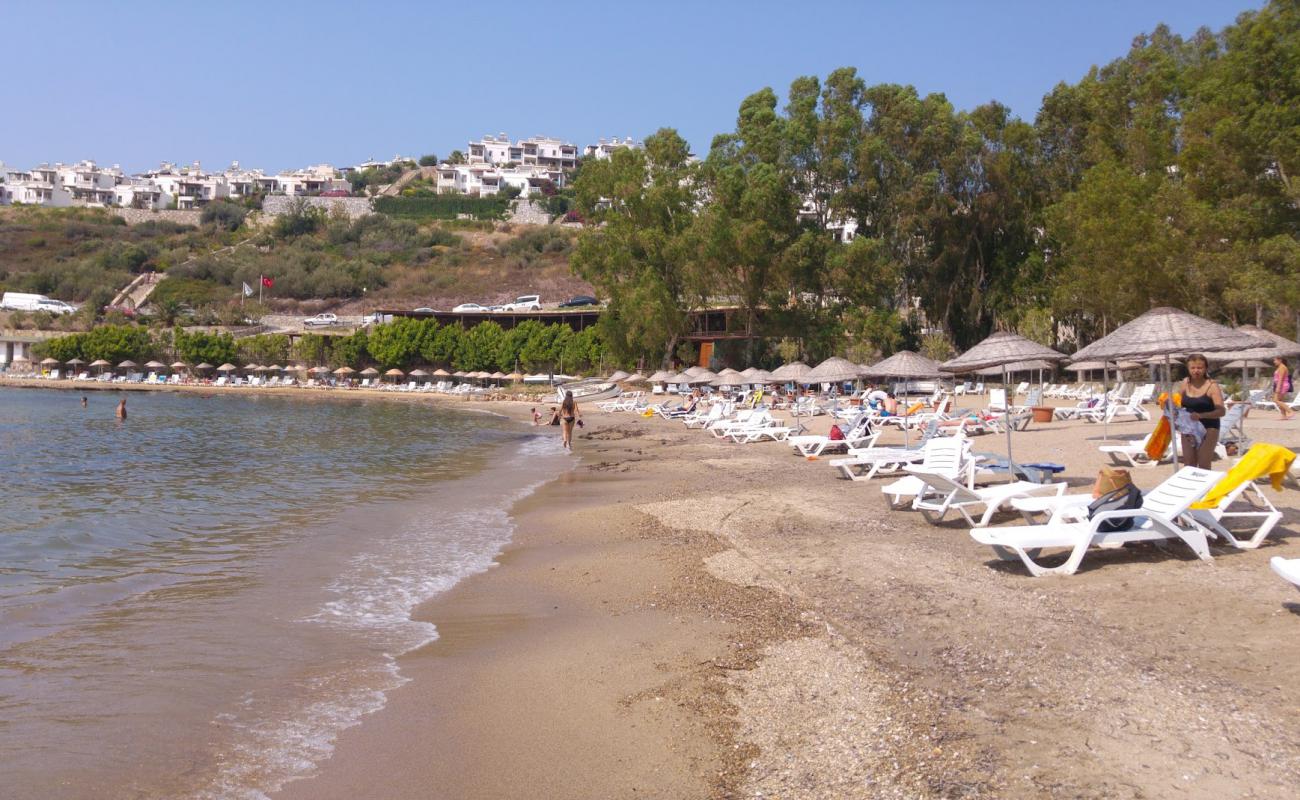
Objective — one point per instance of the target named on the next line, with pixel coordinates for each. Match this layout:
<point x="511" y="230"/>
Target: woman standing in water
<point x="569" y="417"/>
<point x="121" y="408"/>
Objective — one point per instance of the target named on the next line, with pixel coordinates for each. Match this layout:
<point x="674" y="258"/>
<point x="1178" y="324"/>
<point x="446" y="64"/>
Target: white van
<point x="526" y="302"/>
<point x="23" y="301"/>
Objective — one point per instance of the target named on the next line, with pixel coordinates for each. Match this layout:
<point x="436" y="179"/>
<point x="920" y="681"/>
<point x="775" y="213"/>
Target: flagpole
<point x="261" y="283"/>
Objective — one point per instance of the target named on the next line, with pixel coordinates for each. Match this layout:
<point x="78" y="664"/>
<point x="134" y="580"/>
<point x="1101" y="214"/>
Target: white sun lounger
<point x="1163" y="516"/>
<point x="1246" y="502"/>
<point x="947" y="456"/>
<point x="941" y="494"/>
<point x="859" y="435"/>
<point x="1288" y="568"/>
<point x="1134" y="453"/>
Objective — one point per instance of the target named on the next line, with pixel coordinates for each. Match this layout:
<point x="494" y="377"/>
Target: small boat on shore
<point x="588" y="391"/>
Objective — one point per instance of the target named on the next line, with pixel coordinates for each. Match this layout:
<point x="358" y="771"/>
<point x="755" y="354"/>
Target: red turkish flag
<point x="267" y="282"/>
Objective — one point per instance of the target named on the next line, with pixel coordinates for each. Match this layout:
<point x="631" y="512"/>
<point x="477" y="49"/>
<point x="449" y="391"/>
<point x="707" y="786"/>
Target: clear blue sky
<point x="278" y="84"/>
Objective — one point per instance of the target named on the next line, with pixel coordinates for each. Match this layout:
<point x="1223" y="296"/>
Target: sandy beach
<point x="685" y="617"/>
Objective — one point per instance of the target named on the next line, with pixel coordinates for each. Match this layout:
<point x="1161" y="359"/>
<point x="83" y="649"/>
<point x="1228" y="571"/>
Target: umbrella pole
<point x="1105" y="402"/>
<point x="1006" y="416"/>
<point x="1174" y="438"/>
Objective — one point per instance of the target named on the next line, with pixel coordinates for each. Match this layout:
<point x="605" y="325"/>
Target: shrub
<point x="224" y="215"/>
<point x="443" y="206"/>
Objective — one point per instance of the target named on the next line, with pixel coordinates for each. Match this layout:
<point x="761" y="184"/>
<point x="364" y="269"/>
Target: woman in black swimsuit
<point x="1204" y="399"/>
<point x="568" y="417"/>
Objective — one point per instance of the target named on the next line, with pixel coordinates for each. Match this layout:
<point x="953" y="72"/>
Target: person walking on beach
<point x="1204" y="399"/>
<point x="121" y="408"/>
<point x="569" y="416"/>
<point x="1282" y="386"/>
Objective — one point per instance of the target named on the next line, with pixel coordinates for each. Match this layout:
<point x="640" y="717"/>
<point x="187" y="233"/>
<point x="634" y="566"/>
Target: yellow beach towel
<point x="1261" y="459"/>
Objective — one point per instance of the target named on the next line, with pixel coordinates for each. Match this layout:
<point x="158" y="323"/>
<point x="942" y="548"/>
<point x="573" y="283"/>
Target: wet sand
<point x="683" y="617"/>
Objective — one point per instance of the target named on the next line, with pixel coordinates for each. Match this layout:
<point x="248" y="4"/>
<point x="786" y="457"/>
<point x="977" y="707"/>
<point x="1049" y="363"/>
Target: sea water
<point x="195" y="601"/>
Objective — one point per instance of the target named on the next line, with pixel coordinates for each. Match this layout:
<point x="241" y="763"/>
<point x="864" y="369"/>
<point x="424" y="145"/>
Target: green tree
<point x="265" y="349"/>
<point x="398" y="343"/>
<point x="311" y="349"/>
<point x="199" y="347"/>
<point x="441" y="347"/>
<point x="479" y="348"/>
<point x="351" y="351"/>
<point x="639" y="254"/>
<point x="428" y="160"/>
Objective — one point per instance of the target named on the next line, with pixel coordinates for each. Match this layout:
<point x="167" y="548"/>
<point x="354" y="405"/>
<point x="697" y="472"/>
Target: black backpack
<point x="1125" y="498"/>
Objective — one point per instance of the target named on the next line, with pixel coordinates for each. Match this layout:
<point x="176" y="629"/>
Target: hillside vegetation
<point x="315" y="261"/>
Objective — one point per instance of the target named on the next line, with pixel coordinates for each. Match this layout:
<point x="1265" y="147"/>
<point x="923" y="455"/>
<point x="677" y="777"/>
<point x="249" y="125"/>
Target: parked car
<point x="580" y="300"/>
<point x="423" y="310"/>
<point x="525" y="302"/>
<point x="321" y="320"/>
<point x="469" y="308"/>
<point x="495" y="309"/>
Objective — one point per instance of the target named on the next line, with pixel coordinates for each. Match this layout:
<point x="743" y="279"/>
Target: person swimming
<point x="83" y="401"/>
<point x="121" y="408"/>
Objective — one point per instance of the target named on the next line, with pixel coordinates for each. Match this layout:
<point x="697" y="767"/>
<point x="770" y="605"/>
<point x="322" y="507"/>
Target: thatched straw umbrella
<point x="441" y="373"/>
<point x="834" y="370"/>
<point x="619" y="375"/>
<point x="693" y="371"/>
<point x="1274" y="346"/>
<point x="905" y="365"/>
<point x="128" y="364"/>
<point x="394" y="373"/>
<point x="1165" y="332"/>
<point x="515" y="377"/>
<point x="344" y="371"/>
<point x="635" y="377"/>
<point x="731" y="380"/>
<point x="999" y="350"/>
<point x="50" y="362"/>
<point x="792" y="372"/>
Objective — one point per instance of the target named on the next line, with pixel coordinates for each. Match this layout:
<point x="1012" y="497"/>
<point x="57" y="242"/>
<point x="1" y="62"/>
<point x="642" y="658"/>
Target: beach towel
<point x="1261" y="459"/>
<point x="1187" y="426"/>
<point x="1163" y="434"/>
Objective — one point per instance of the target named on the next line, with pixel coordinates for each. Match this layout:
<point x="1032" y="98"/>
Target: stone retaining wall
<point x="526" y="212"/>
<point x="134" y="216"/>
<point x="354" y="207"/>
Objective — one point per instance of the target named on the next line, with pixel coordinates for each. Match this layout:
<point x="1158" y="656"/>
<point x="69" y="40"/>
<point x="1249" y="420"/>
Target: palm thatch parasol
<point x="128" y="364"/>
<point x="729" y="378"/>
<point x="49" y="362"/>
<point x="99" y="362"/>
<point x="693" y="371"/>
<point x="369" y="371"/>
<point x="790" y="372"/>
<point x="619" y="375"/>
<point x="75" y="362"/>
<point x="999" y="350"/>
<point x="662" y="376"/>
<point x="1164" y="332"/>
<point x="832" y="370"/>
<point x="394" y="373"/>
<point x="515" y="377"/>
<point x="441" y="373"/>
<point x="905" y="365"/>
<point x="635" y="377"/>
<point x="341" y="371"/>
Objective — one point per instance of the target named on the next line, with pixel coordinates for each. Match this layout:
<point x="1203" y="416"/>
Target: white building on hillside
<point x="39" y="186"/>
<point x="542" y="151"/>
<point x="606" y="147"/>
<point x="485" y="179"/>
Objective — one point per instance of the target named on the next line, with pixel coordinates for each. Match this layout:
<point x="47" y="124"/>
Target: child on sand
<point x="537" y="418"/>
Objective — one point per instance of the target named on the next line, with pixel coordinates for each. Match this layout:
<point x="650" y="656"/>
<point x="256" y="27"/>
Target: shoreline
<point x="682" y="617"/>
<point x="585" y="646"/>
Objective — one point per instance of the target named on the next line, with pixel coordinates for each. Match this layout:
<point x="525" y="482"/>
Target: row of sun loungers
<point x="938" y="478"/>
